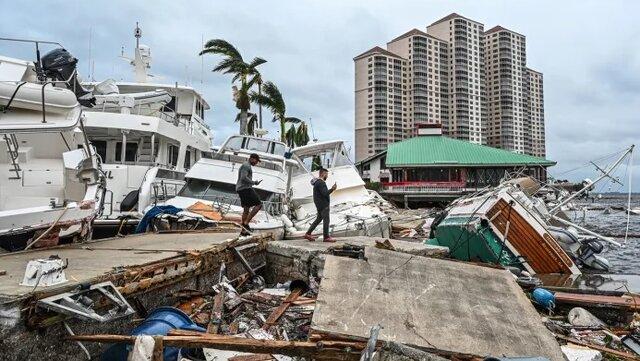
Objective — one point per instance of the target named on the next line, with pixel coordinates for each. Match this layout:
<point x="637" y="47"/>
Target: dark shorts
<point x="249" y="198"/>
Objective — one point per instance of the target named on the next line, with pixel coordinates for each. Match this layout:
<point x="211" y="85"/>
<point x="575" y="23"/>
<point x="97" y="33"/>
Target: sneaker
<point x="329" y="240"/>
<point x="309" y="238"/>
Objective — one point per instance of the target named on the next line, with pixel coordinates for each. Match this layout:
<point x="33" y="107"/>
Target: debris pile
<point x="587" y="336"/>
<point x="412" y="223"/>
<point x="251" y="310"/>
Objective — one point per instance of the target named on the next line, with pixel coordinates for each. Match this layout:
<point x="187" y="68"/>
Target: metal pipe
<point x="153" y="147"/>
<point x="123" y="149"/>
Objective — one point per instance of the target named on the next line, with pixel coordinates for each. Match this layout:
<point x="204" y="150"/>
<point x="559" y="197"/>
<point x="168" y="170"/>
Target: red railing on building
<point x="424" y="186"/>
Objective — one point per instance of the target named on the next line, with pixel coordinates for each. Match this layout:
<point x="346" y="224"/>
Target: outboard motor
<point x="589" y="255"/>
<point x="60" y="65"/>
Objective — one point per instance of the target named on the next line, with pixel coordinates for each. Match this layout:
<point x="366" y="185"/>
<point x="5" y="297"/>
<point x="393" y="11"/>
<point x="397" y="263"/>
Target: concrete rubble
<point x="253" y="298"/>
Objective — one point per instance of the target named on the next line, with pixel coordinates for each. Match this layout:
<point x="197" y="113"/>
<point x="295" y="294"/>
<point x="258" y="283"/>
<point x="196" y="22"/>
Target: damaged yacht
<point x="51" y="183"/>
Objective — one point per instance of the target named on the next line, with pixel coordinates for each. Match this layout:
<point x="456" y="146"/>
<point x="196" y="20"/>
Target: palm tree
<point x="302" y="135"/>
<point x="297" y="137"/>
<point x="245" y="73"/>
<point x="271" y="98"/>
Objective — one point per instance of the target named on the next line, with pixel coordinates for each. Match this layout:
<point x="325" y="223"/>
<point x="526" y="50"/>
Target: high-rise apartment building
<point x="380" y="111"/>
<point x="466" y="75"/>
<point x="508" y="125"/>
<point x="427" y="84"/>
<point x="535" y="108"/>
<point x="474" y="83"/>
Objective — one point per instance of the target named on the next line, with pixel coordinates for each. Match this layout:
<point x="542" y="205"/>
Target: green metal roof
<point x="435" y="150"/>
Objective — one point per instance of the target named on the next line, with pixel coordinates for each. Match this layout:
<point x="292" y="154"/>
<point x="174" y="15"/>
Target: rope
<point x="47" y="231"/>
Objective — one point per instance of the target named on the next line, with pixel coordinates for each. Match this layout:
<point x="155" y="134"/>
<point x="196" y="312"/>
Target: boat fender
<point x="287" y="222"/>
<point x="129" y="202"/>
<point x="544" y="298"/>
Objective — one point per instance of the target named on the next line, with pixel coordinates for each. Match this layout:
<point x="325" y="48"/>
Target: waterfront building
<point x="475" y="84"/>
<point x="433" y="167"/>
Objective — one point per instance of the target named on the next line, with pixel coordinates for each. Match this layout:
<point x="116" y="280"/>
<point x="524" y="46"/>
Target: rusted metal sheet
<point x="541" y="251"/>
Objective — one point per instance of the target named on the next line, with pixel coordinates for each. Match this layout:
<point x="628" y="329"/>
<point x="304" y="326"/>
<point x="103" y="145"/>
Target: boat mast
<point x="605" y="174"/>
<point x="141" y="62"/>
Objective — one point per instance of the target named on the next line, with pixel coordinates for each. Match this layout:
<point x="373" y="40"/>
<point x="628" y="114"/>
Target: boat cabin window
<point x="218" y="191"/>
<point x="200" y="109"/>
<point x="279" y="149"/>
<point x="129" y="153"/>
<point x="187" y="159"/>
<point x="101" y="148"/>
<point x="258" y="145"/>
<point x="170" y="107"/>
<point x="235" y="143"/>
<point x="173" y="155"/>
<point x="327" y="159"/>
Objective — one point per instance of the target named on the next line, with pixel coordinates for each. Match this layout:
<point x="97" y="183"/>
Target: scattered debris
<point x="580" y="317"/>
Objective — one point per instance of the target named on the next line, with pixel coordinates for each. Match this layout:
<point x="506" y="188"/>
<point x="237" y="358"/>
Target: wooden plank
<point x="321" y="350"/>
<point x="158" y="349"/>
<point x="278" y="312"/>
<point x="631" y="302"/>
<point x="217" y="312"/>
<point x="610" y="351"/>
<point x="258" y="357"/>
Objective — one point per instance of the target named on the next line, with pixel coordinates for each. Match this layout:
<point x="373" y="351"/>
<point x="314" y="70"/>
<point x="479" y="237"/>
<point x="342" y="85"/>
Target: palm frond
<point x="227" y="64"/>
<point x="253" y="64"/>
<point x="221" y="47"/>
<point x="293" y="120"/>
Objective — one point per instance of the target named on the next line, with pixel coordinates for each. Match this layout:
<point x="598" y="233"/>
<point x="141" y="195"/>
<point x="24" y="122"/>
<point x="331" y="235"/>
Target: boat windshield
<point x="220" y="192"/>
<point x="328" y="158"/>
<point x="255" y="145"/>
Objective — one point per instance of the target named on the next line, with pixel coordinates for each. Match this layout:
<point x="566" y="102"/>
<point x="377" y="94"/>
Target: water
<point x="626" y="259"/>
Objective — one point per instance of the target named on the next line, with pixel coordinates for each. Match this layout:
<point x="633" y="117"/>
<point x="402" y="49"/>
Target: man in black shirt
<point x="248" y="196"/>
<point x="321" y="199"/>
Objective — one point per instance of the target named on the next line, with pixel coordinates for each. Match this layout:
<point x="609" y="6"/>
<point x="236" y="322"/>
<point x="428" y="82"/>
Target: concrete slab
<point x="431" y="303"/>
<point x="92" y="259"/>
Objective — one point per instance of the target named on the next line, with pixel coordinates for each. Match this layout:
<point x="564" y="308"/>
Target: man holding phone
<point x="248" y="196"/>
<point x="321" y="199"/>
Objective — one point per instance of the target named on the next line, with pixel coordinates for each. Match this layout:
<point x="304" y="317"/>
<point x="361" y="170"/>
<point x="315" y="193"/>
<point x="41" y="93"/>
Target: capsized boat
<point x="51" y="183"/>
<point x="209" y="195"/>
<point x="501" y="226"/>
<point x="354" y="210"/>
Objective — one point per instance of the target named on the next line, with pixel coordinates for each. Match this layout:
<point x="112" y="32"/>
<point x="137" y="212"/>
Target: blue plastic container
<point x="544" y="298"/>
<point x="159" y="322"/>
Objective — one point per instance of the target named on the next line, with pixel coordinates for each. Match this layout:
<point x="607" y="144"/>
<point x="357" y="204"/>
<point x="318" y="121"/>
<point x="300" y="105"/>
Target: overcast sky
<point x="587" y="50"/>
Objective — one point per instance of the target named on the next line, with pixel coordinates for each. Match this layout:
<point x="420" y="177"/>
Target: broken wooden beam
<point x="335" y="350"/>
<point x="590" y="300"/>
<point x="217" y="312"/>
<point x="278" y="312"/>
<point x="624" y="355"/>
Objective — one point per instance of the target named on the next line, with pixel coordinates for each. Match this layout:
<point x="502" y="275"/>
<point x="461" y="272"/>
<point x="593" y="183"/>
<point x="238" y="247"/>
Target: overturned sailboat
<point x="507" y="225"/>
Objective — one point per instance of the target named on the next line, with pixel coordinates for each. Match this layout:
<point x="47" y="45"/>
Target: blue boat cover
<point x="152" y="213"/>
